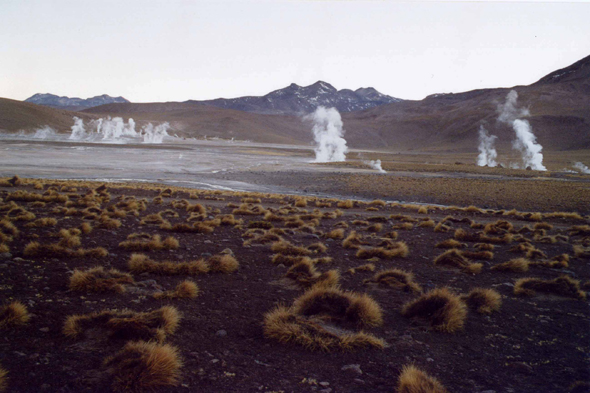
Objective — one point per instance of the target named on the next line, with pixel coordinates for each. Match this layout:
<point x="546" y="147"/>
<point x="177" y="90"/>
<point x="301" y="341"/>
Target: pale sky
<point x="149" y="50"/>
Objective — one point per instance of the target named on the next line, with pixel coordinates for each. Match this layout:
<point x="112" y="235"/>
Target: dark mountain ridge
<point x="73" y="103"/>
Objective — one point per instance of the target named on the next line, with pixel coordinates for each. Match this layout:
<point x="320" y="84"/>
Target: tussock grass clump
<point x="265" y="238"/>
<point x="543" y="225"/>
<point x="185" y="290"/>
<point x="561" y="286"/>
<point x="126" y="324"/>
<point x="414" y="380"/>
<point x="451" y="243"/>
<point x="197" y="227"/>
<point x="484" y="301"/>
<point x="139" y="263"/>
<point x="498" y="228"/>
<point x="335" y="304"/>
<point x="14" y="181"/>
<point x="249" y="210"/>
<point x="484" y="246"/>
<point x="445" y="310"/>
<point x="3" y="379"/>
<point x="368" y="267"/>
<point x="286" y="248"/>
<point x="106" y="222"/>
<point x="396" y="278"/>
<point x="348" y="204"/>
<point x="398" y="250"/>
<point x="335" y="234"/>
<point x="33" y="249"/>
<point x="98" y="279"/>
<point x="518" y="265"/>
<point x="378" y="227"/>
<point x="405" y="226"/>
<point x="353" y="240"/>
<point x="289" y="260"/>
<point x="305" y="275"/>
<point x="8" y="227"/>
<point x="580" y="230"/>
<point x="478" y="254"/>
<point x="317" y="247"/>
<point x="222" y="263"/>
<point x="283" y="325"/>
<point x="42" y="222"/>
<point x="463" y="235"/>
<point x="505" y="239"/>
<point x="377" y="202"/>
<point x="427" y="224"/>
<point x="13" y="314"/>
<point x="149" y="244"/>
<point x="86" y="228"/>
<point x="581" y="252"/>
<point x="142" y="366"/>
<point x="455" y="259"/>
<point x="4" y="248"/>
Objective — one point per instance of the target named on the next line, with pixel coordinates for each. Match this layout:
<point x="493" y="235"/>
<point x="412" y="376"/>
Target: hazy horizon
<point x="153" y="51"/>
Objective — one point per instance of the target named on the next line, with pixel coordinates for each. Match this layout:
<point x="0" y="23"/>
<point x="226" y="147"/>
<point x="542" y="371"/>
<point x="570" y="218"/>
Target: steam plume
<point x="78" y="130"/>
<point x="375" y="164"/>
<point x="487" y="151"/>
<point x="525" y="141"/>
<point x="115" y="130"/>
<point x="327" y="133"/>
<point x="582" y="168"/>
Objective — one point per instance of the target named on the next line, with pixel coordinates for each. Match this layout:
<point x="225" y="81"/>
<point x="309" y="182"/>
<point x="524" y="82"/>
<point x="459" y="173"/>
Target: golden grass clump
<point x="518" y="265"/>
<point x="454" y="258"/>
<point x="405" y="226"/>
<point x="498" y="228"/>
<point x="3" y="379"/>
<point x="348" y="204"/>
<point x="126" y="324"/>
<point x="398" y="250"/>
<point x="583" y="230"/>
<point x="317" y="247"/>
<point x="561" y="286"/>
<point x="305" y="275"/>
<point x="337" y="233"/>
<point x="185" y="290"/>
<point x="581" y="252"/>
<point x="414" y="380"/>
<point x="142" y="366"/>
<point x="42" y="222"/>
<point x="367" y="267"/>
<point x="8" y="227"/>
<point x="445" y="310"/>
<point x="396" y="278"/>
<point x="484" y="246"/>
<point x="13" y="314"/>
<point x="482" y="300"/>
<point x="152" y="243"/>
<point x="86" y="228"/>
<point x="463" y="235"/>
<point x="139" y="263"/>
<point x="222" y="263"/>
<point x="427" y="224"/>
<point x="286" y="248"/>
<point x="337" y="305"/>
<point x="478" y="254"/>
<point x="98" y="279"/>
<point x="504" y="239"/>
<point x="451" y="243"/>
<point x="283" y="325"/>
<point x="353" y="240"/>
<point x="4" y="248"/>
<point x="59" y="250"/>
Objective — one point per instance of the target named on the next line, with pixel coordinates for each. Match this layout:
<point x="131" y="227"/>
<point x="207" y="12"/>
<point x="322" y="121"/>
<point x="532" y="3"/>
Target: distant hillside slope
<point x="300" y="100"/>
<point x="19" y="115"/>
<point x="74" y="103"/>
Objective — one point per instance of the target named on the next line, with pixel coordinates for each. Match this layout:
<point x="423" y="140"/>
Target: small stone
<point x="228" y="252"/>
<point x="44" y="329"/>
<point x="206" y="254"/>
<point x="488" y="391"/>
<point x="359" y="381"/>
<point x="354" y="368"/>
<point x="221" y="333"/>
<point x="430" y="360"/>
<point x="215" y="361"/>
<point x="325" y="384"/>
<point x="208" y="242"/>
<point x="17" y="259"/>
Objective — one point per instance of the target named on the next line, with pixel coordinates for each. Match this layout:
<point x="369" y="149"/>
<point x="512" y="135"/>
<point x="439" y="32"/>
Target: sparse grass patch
<point x="518" y="265"/>
<point x="484" y="301"/>
<point x="185" y="290"/>
<point x="445" y="310"/>
<point x="139" y="263"/>
<point x="455" y="259"/>
<point x="286" y="248"/>
<point x="151" y="244"/>
<point x="561" y="286"/>
<point x="98" y="279"/>
<point x="397" y="250"/>
<point x="142" y="366"/>
<point x="396" y="278"/>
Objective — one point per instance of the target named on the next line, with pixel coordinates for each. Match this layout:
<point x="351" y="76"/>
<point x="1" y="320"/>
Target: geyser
<point x="525" y="142"/>
<point x="487" y="151"/>
<point x="328" y="135"/>
<point x="582" y="168"/>
<point x="375" y="164"/>
<point x="115" y="130"/>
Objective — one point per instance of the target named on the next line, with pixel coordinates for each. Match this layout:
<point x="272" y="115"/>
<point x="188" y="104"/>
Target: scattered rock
<point x="353" y="368"/>
<point x="325" y="384"/>
<point x="221" y="333"/>
<point x="227" y="251"/>
<point x="44" y="329"/>
<point x="206" y="254"/>
<point x="5" y="255"/>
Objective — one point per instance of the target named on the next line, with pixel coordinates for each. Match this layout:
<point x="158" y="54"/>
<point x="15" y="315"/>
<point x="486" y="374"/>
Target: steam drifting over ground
<point x="487" y="151"/>
<point x="328" y="135"/>
<point x="375" y="164"/>
<point x="582" y="168"/>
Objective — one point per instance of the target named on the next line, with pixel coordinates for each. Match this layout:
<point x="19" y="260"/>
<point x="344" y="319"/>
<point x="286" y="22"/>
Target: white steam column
<point x="328" y="135"/>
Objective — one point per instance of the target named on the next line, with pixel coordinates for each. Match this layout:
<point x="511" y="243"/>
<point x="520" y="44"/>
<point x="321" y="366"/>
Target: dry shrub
<point x="152" y="243"/>
<point x="265" y="238"/>
<point x="399" y="249"/>
<point x="505" y="239"/>
<point x="518" y="265"/>
<point x="450" y="243"/>
<point x="403" y="226"/>
<point x="463" y="235"/>
<point x="484" y="301"/>
<point x="427" y="224"/>
<point x="353" y="240"/>
<point x="249" y="210"/>
<point x="98" y="279"/>
<point x="377" y="202"/>
<point x="86" y="228"/>
<point x="396" y="278"/>
<point x="139" y="263"/>
<point x="305" y="275"/>
<point x="348" y="204"/>
<point x="185" y="290"/>
<point x="42" y="222"/>
<point x="335" y="304"/>
<point x="454" y="258"/>
<point x="375" y="228"/>
<point x="484" y="246"/>
<point x="222" y="263"/>
<point x="335" y="234"/>
<point x="368" y="267"/>
<point x="414" y="380"/>
<point x="562" y="286"/>
<point x="198" y="227"/>
<point x="472" y="209"/>
<point x="317" y="247"/>
<point x="478" y="254"/>
<point x="286" y="248"/>
<point x="57" y="250"/>
<point x="142" y="366"/>
<point x="445" y="310"/>
<point x="360" y="222"/>
<point x="581" y="252"/>
<point x="441" y="227"/>
<point x="391" y="235"/>
<point x="498" y="228"/>
<point x="283" y="325"/>
<point x="13" y="314"/>
<point x="126" y="324"/>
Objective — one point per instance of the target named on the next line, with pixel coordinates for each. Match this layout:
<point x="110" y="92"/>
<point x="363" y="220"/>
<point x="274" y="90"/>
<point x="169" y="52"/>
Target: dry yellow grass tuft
<point x="152" y="243"/>
<point x="126" y="324"/>
<point x="13" y="314"/>
<point x="3" y="379"/>
<point x="223" y="263"/>
<point x="185" y="290"/>
<point x="98" y="279"/>
<point x="445" y="310"/>
<point x="561" y="286"/>
<point x="142" y="366"/>
<point x="484" y="301"/>
<point x="286" y="248"/>
<point x="463" y="235"/>
<point x="518" y="265"/>
<point x="396" y="278"/>
<point x="414" y="380"/>
<point x="451" y="243"/>
<point x="455" y="259"/>
<point x="393" y="250"/>
<point x="139" y="263"/>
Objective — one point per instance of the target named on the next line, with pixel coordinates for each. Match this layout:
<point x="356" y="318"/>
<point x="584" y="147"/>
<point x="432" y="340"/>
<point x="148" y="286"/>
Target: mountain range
<point x="559" y="106"/>
<point x="74" y="103"/>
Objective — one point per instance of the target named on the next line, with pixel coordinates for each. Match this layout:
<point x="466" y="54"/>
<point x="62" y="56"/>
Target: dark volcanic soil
<point x="533" y="344"/>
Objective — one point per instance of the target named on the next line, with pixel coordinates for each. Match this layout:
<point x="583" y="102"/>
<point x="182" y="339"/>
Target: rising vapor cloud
<point x="328" y="135"/>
